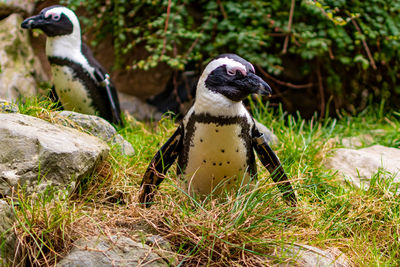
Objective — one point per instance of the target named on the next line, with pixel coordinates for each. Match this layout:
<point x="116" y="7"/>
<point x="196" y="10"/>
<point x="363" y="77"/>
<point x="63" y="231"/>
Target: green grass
<point x="239" y="229"/>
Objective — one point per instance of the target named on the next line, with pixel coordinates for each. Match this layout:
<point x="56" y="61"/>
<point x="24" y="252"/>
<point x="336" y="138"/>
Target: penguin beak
<point x="258" y="85"/>
<point x="33" y="22"/>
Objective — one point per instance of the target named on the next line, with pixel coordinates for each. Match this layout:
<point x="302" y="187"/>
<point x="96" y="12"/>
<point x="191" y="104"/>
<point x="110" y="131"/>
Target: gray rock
<point x="308" y="256"/>
<point x="116" y="251"/>
<point x="163" y="248"/>
<point x="35" y="153"/>
<point x="358" y="166"/>
<point x="353" y="141"/>
<point x="98" y="127"/>
<point x="124" y="147"/>
<point x="23" y="7"/>
<point x="8" y="107"/>
<point x="271" y="138"/>
<point x="138" y="108"/>
<point x="158" y="241"/>
<point x="8" y="239"/>
<point x="20" y="70"/>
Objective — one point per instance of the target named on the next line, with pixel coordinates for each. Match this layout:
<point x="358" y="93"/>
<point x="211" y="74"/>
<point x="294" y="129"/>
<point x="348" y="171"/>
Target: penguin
<point x="216" y="140"/>
<point x="80" y="82"/>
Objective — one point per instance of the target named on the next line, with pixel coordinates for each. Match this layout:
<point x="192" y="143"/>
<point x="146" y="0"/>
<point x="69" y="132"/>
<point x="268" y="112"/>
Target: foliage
<point x="352" y="45"/>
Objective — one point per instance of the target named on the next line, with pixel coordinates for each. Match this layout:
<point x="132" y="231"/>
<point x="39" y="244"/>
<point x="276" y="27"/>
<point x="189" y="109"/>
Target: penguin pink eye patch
<point x="53" y="15"/>
<point x="232" y="70"/>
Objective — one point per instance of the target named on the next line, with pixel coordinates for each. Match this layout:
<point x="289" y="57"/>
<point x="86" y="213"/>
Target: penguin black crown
<point x="80" y="82"/>
<point x="216" y="140"/>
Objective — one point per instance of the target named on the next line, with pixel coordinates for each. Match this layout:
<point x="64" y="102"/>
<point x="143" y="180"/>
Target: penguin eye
<point x="52" y="16"/>
<point x="231" y="72"/>
<point x="56" y="17"/>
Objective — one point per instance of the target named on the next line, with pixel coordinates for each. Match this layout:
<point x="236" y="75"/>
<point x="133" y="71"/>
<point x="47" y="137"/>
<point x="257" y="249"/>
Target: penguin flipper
<point x="159" y="165"/>
<point x="103" y="79"/>
<point x="274" y="166"/>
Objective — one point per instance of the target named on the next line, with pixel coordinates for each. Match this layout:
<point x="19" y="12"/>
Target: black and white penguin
<point x="81" y="84"/>
<point x="215" y="141"/>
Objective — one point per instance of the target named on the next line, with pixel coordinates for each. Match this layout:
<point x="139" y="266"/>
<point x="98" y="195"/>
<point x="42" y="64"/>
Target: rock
<point x="100" y="128"/>
<point x="123" y="146"/>
<point x="158" y="241"/>
<point x="353" y="141"/>
<point x="163" y="248"/>
<point x="359" y="165"/>
<point x="308" y="256"/>
<point x="35" y="153"/>
<point x="137" y="108"/>
<point x="8" y="107"/>
<point x="22" y="7"/>
<point x="20" y="71"/>
<point x="271" y="138"/>
<point x="116" y="251"/>
<point x="8" y="239"/>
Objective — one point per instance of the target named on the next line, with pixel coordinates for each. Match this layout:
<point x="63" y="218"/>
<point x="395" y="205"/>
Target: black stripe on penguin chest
<point x="202" y="134"/>
<point x="95" y="92"/>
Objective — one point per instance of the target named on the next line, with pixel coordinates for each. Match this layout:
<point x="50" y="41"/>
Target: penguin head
<point x="232" y="77"/>
<point x="54" y="21"/>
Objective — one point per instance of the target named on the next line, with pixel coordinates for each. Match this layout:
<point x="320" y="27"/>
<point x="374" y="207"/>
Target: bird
<point x="216" y="140"/>
<point x="80" y="83"/>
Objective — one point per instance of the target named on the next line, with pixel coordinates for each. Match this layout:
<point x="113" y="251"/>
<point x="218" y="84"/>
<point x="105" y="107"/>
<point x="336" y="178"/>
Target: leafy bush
<point x="345" y="51"/>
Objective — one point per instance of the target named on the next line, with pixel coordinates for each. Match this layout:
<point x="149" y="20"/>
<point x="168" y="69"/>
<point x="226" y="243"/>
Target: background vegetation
<point x="316" y="54"/>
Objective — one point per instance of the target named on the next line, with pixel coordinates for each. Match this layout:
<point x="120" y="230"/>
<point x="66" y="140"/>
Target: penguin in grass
<point x="215" y="141"/>
<point x="80" y="82"/>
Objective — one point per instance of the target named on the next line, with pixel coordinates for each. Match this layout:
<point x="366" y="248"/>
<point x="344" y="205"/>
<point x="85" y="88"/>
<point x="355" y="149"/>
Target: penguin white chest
<point x="71" y="92"/>
<point x="217" y="158"/>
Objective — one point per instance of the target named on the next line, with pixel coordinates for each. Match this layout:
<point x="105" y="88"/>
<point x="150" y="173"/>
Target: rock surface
<point x="20" y="71"/>
<point x="308" y="256"/>
<point x="35" y="153"/>
<point x="8" y="238"/>
<point x="24" y="7"/>
<point x="138" y="108"/>
<point x="8" y="107"/>
<point x="100" y="128"/>
<point x="359" y="165"/>
<point x="271" y="138"/>
<point x="353" y="141"/>
<point x="163" y="248"/>
<point x="119" y="251"/>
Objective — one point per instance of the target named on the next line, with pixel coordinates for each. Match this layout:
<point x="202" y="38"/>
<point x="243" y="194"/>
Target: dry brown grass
<point x="240" y="230"/>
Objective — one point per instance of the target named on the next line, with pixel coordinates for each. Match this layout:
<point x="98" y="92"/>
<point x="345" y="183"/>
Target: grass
<point x="246" y="228"/>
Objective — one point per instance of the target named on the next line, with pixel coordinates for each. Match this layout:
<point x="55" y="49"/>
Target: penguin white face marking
<point x="54" y="21"/>
<point x="225" y="82"/>
<point x="63" y="31"/>
<point x="53" y="15"/>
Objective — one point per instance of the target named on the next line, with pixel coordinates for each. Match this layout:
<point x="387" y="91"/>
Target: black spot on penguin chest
<point x="96" y="93"/>
<point x="216" y="127"/>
